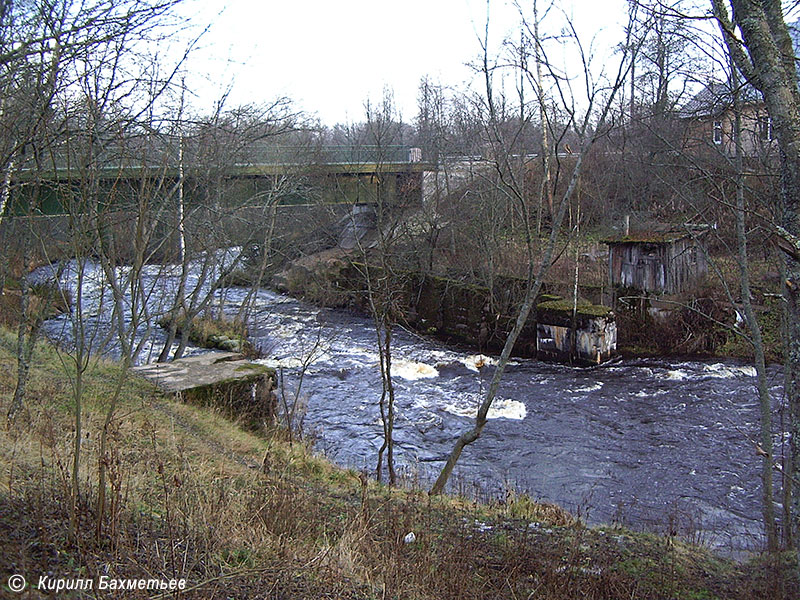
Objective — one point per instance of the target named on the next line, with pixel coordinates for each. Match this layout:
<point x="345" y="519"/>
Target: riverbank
<point x="699" y="324"/>
<point x="457" y="311"/>
<point x="193" y="496"/>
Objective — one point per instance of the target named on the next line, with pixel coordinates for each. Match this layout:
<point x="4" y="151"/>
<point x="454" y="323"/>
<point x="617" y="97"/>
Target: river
<point x="652" y="444"/>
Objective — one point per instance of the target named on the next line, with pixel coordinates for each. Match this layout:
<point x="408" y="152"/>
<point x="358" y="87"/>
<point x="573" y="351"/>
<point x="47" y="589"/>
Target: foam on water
<point x="502" y="408"/>
<point x="412" y="371"/>
<point x="649" y="393"/>
<point x="716" y="371"/>
<point x="289" y="362"/>
<point x="592" y="387"/>
<point x="676" y="375"/>
<point x="723" y="371"/>
<point x="363" y="355"/>
<point x="476" y="362"/>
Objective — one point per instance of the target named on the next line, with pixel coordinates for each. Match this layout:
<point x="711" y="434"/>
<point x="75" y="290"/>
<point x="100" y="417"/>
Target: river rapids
<point x="653" y="444"/>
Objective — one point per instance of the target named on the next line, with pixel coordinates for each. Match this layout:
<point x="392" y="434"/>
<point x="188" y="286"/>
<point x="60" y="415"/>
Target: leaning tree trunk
<point x="532" y="291"/>
<point x="762" y="387"/>
<point x="765" y="55"/>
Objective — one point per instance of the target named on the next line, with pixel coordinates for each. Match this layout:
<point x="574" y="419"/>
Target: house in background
<point x="709" y="119"/>
<point x="657" y="262"/>
<point x="709" y="115"/>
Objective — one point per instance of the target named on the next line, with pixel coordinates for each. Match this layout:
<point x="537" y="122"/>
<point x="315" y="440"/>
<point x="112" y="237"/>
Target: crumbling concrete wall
<point x="464" y="313"/>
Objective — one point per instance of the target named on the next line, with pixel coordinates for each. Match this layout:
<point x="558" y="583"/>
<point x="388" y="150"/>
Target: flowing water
<point x="654" y="444"/>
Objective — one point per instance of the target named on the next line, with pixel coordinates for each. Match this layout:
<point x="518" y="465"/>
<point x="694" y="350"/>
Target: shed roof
<point x="658" y="235"/>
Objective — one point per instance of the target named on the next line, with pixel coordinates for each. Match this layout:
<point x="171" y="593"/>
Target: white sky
<point x="331" y="56"/>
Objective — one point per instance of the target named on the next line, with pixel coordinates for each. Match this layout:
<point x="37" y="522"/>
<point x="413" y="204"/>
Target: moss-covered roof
<point x="648" y="237"/>
<point x="658" y="235"/>
<point x="583" y="309"/>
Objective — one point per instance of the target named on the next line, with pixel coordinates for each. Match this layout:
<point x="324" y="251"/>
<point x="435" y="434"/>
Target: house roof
<point x="715" y="98"/>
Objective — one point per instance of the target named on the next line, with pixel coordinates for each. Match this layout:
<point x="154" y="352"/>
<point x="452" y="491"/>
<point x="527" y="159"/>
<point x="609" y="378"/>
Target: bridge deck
<point x="238" y="170"/>
<point x="256" y="160"/>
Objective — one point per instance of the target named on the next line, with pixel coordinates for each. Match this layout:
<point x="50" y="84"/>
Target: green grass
<point x="216" y="332"/>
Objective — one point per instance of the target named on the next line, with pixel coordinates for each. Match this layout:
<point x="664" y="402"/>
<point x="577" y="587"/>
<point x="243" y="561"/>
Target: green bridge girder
<point x="336" y="181"/>
<point x="253" y="161"/>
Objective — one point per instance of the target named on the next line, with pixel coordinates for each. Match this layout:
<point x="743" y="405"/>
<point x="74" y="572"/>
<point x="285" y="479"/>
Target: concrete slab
<point x="200" y="371"/>
<point x="241" y="390"/>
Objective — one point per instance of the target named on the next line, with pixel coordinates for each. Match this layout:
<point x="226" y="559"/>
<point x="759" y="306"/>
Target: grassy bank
<point x="215" y="332"/>
<point x="238" y="515"/>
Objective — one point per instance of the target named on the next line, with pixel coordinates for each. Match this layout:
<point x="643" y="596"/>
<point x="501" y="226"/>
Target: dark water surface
<point x="650" y="443"/>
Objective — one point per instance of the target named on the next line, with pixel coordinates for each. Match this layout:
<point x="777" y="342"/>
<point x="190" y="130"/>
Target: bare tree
<point x="214" y="212"/>
<point x="588" y="126"/>
<point x="758" y="39"/>
<point x="380" y="269"/>
<point x="768" y="502"/>
<point x="71" y="77"/>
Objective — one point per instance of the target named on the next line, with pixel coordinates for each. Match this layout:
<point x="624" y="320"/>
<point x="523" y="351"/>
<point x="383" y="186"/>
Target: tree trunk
<point x="546" y="192"/>
<point x="762" y="387"/>
<point x="532" y="291"/>
<point x="5" y="190"/>
<point x="766" y="57"/>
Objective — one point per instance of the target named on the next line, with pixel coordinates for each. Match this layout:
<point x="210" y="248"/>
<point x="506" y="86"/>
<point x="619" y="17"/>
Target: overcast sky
<point x="331" y="56"/>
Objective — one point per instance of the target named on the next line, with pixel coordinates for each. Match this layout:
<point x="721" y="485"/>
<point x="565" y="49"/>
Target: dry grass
<point x="245" y="516"/>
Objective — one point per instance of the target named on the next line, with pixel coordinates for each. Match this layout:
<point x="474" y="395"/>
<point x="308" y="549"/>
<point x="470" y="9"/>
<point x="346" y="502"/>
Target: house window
<point x="717" y="132"/>
<point x="765" y="129"/>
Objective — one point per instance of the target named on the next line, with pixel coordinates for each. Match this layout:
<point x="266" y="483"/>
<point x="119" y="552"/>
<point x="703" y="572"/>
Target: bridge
<point x="168" y="157"/>
<point x="337" y="173"/>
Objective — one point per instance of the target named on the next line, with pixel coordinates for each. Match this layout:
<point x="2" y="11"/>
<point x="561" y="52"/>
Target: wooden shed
<point x="668" y="262"/>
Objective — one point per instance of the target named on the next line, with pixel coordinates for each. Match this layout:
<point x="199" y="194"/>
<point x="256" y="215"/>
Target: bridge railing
<point x="332" y="155"/>
<point x="167" y="156"/>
